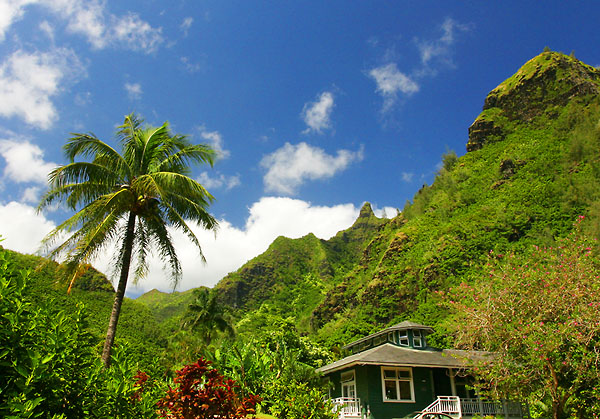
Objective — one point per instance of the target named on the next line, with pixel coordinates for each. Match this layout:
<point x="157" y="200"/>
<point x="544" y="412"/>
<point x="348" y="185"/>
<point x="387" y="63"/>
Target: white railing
<point x="446" y="404"/>
<point x="472" y="407"/>
<point x="462" y="408"/>
<point x="347" y="407"/>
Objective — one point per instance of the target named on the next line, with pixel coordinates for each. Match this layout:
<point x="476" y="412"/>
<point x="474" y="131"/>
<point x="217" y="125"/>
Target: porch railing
<point x="446" y="404"/>
<point x="465" y="408"/>
<point x="507" y="409"/>
<point x="348" y="407"/>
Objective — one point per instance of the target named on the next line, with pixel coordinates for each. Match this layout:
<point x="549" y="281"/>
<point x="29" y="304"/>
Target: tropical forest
<point x="499" y="253"/>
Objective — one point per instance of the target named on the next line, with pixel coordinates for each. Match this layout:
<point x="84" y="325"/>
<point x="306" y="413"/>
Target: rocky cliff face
<point x="545" y="82"/>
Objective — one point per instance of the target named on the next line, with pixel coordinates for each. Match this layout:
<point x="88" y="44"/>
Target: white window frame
<point x="350" y="383"/>
<point x="418" y="336"/>
<point x="397" y="381"/>
<point x="403" y="338"/>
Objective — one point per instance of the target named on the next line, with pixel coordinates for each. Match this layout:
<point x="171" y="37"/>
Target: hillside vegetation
<point x="139" y="331"/>
<point x="532" y="166"/>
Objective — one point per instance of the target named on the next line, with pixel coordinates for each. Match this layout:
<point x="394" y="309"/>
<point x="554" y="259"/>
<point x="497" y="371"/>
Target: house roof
<point x="392" y="355"/>
<point x="405" y="325"/>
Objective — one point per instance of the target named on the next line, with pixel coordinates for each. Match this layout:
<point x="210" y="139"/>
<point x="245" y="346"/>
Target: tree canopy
<point x="538" y="313"/>
<point x="130" y="198"/>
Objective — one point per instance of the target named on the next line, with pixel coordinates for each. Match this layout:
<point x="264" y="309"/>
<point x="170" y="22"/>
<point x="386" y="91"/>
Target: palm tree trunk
<point x="120" y="293"/>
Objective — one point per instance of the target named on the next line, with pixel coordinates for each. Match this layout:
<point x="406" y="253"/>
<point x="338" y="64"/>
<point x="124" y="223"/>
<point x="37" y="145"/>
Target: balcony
<point x="347" y="407"/>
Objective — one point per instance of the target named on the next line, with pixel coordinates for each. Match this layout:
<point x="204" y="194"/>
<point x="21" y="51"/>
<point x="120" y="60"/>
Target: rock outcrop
<point x="549" y="80"/>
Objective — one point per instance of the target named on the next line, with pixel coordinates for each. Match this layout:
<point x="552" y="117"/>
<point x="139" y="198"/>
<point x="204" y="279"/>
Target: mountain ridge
<point x="532" y="166"/>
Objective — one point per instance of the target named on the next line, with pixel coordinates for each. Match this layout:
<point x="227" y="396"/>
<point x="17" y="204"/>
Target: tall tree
<point x="206" y="315"/>
<point x="131" y="198"/>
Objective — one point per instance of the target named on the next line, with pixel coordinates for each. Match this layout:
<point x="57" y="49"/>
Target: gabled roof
<point x="392" y="355"/>
<point x="405" y="325"/>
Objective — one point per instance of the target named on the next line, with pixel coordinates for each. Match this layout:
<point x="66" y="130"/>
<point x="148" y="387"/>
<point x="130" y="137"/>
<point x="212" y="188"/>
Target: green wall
<point x="369" y="390"/>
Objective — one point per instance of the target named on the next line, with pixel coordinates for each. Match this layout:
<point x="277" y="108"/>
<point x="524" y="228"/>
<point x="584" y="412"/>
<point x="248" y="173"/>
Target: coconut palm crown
<point x="129" y="198"/>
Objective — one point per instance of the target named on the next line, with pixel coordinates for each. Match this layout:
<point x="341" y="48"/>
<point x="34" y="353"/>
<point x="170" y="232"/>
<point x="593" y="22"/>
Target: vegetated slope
<point x="533" y="166"/>
<point x="165" y="306"/>
<point x="137" y="327"/>
<point x="293" y="275"/>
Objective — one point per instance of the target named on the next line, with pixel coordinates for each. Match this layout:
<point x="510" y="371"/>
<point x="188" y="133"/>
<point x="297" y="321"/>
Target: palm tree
<point x="130" y="198"/>
<point x="206" y="315"/>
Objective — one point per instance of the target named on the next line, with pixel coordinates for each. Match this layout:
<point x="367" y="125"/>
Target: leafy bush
<point x="49" y="364"/>
<point x="204" y="393"/>
<point x="300" y="400"/>
<point x="538" y="313"/>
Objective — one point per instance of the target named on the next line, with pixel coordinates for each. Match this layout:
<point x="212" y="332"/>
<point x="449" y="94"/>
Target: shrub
<point x="204" y="393"/>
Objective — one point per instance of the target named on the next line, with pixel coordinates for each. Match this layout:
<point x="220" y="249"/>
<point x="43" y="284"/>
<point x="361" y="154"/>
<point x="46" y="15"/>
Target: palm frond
<point x="175" y="162"/>
<point x="141" y="250"/>
<point x="87" y="146"/>
<point x="161" y="238"/>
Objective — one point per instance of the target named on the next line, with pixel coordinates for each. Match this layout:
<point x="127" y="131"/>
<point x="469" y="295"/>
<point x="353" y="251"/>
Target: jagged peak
<point x="550" y="71"/>
<point x="366" y="211"/>
<point x="548" y="80"/>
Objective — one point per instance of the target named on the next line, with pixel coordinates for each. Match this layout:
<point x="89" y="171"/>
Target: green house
<point x="394" y="373"/>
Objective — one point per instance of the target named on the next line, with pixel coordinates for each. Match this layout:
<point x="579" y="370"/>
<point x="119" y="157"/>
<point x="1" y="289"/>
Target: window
<point x="390" y="337"/>
<point x="397" y="384"/>
<point x="348" y="385"/>
<point x="418" y="339"/>
<point x="403" y="337"/>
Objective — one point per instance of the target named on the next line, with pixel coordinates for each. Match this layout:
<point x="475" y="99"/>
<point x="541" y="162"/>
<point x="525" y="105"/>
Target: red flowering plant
<point x="201" y="393"/>
<point x="539" y="312"/>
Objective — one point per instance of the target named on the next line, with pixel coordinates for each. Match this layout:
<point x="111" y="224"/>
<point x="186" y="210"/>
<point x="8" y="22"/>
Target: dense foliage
<point x="533" y="166"/>
<point x="538" y="312"/>
<point x="49" y="363"/>
<point x="203" y="393"/>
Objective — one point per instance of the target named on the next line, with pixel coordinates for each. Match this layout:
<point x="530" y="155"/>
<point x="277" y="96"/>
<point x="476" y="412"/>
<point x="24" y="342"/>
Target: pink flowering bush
<point x="539" y="312"/>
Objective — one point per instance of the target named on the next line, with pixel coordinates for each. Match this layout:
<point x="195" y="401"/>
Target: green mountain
<point x="165" y="306"/>
<point x="137" y="327"/>
<point x="532" y="166"/>
<point x="294" y="275"/>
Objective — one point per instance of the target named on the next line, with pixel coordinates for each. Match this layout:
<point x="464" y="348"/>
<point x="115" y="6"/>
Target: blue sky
<point x="314" y="106"/>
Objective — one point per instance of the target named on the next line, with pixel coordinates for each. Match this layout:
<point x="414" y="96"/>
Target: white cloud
<point x="31" y="195"/>
<point x="218" y="182"/>
<point x="434" y="54"/>
<point x="28" y="81"/>
<point x="385" y="212"/>
<point x="317" y="114"/>
<point x="10" y="12"/>
<point x="24" y="162"/>
<point x="215" y="139"/>
<point x="135" y="34"/>
<point x="290" y="166"/>
<point x="390" y="81"/>
<point x="93" y="21"/>
<point x="439" y="50"/>
<point x="232" y="247"/>
<point x="22" y="228"/>
<point x="48" y="30"/>
<point x="134" y="90"/>
<point x="186" y="25"/>
<point x="407" y="177"/>
<point x="189" y="66"/>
